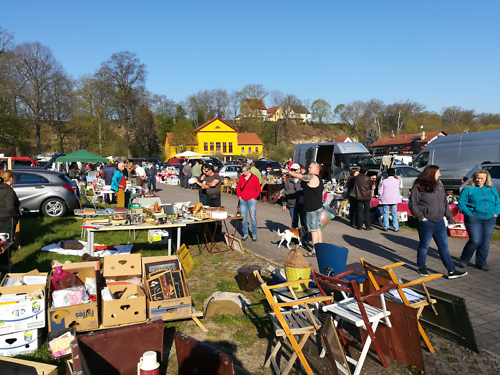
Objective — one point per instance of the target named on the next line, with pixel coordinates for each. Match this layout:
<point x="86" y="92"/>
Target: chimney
<point x="392" y="134"/>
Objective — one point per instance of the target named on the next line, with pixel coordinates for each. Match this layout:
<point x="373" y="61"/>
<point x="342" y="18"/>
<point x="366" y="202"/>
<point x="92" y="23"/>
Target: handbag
<point x="213" y="196"/>
<point x="352" y="193"/>
<point x="244" y="186"/>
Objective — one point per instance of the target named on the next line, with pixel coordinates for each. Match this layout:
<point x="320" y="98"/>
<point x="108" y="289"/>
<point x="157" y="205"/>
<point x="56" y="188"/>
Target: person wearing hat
<point x="294" y="198"/>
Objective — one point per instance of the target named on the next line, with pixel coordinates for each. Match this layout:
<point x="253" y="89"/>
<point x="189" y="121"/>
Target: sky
<point x="438" y="53"/>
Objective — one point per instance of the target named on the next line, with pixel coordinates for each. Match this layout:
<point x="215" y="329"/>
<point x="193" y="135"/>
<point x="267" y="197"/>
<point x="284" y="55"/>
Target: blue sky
<point x="439" y="53"/>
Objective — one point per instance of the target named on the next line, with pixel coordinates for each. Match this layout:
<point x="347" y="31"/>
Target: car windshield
<point x="65" y="178"/>
<point x="361" y="160"/>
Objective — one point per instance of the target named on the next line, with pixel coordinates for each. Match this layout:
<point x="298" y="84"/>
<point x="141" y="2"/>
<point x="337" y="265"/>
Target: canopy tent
<point x="187" y="154"/>
<point x="82" y="156"/>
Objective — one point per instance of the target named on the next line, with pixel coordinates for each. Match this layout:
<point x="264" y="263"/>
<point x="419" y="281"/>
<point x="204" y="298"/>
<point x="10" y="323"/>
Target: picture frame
<point x="179" y="286"/>
<point x="165" y="265"/>
<point x="236" y="243"/>
<point x="334" y="347"/>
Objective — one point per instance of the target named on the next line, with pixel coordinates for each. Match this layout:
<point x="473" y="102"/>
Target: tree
<point x="60" y="106"/>
<point x="374" y="112"/>
<point x="352" y="112"/>
<point x="146" y="134"/>
<point x="457" y="115"/>
<point x="371" y="137"/>
<point x="14" y="130"/>
<point x="128" y="77"/>
<point x="183" y="134"/>
<point x="321" y="110"/>
<point x="400" y="112"/>
<point x="6" y="41"/>
<point x="35" y="70"/>
<point x="253" y="91"/>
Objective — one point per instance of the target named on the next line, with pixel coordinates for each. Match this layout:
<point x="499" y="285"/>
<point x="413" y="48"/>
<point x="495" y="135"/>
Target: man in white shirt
<point x="141" y="176"/>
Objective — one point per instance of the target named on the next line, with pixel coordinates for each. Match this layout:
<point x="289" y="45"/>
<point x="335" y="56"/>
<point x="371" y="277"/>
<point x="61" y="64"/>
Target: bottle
<point x="58" y="277"/>
<point x="238" y="211"/>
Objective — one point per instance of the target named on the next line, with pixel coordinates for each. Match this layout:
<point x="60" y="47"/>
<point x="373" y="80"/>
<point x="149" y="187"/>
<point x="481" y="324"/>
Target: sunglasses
<point x="294" y="170"/>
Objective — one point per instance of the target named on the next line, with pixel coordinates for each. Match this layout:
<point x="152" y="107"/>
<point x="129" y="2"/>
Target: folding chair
<point x="225" y="186"/>
<point x="355" y="311"/>
<point x="406" y="296"/>
<point x="263" y="192"/>
<point x="290" y="324"/>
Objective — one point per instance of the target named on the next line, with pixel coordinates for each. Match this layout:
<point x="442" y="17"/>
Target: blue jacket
<point x="117" y="178"/>
<point x="482" y="202"/>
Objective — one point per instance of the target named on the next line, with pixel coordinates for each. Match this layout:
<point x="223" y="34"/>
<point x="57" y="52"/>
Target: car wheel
<point x="54" y="207"/>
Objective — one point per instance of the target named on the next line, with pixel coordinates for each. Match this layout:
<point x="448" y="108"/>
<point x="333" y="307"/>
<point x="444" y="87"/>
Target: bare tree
<point x="221" y="103"/>
<point x="60" y="106"/>
<point x="128" y="76"/>
<point x="352" y="112"/>
<point x="457" y="115"/>
<point x="6" y="41"/>
<point x="253" y="91"/>
<point x="146" y="133"/>
<point x="374" y="112"/>
<point x="401" y="112"/>
<point x="234" y="104"/>
<point x="34" y="73"/>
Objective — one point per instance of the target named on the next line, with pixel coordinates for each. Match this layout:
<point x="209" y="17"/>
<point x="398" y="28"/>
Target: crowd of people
<point x="302" y="196"/>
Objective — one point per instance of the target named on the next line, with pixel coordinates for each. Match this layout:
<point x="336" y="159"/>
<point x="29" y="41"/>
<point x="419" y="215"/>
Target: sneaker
<point x="455" y="274"/>
<point x="245" y="237"/>
<point x="462" y="264"/>
<point x="385" y="229"/>
<point x="370" y="228"/>
<point x="482" y="268"/>
<point x="254" y="238"/>
<point x="423" y="271"/>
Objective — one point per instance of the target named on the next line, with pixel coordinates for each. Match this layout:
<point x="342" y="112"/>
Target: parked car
<point x="207" y="160"/>
<point x="492" y="167"/>
<point x="231" y="171"/>
<point x="49" y="192"/>
<point x="268" y="167"/>
<point x="407" y="174"/>
<point x="18" y="162"/>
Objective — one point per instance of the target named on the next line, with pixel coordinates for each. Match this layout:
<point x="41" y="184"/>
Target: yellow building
<point x="217" y="138"/>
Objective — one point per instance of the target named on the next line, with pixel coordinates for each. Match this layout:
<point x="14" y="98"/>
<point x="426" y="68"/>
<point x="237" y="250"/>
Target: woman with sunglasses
<point x="248" y="190"/>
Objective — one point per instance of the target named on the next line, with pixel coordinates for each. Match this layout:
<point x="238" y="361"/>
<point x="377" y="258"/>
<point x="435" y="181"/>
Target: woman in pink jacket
<point x="389" y="198"/>
<point x="248" y="190"/>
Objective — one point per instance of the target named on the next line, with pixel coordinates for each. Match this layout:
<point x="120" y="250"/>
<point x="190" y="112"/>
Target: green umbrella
<point x="82" y="156"/>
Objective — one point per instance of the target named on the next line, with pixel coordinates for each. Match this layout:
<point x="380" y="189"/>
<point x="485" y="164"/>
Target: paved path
<point x="380" y="248"/>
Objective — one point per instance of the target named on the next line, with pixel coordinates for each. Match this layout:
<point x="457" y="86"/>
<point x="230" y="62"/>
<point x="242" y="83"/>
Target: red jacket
<point x="251" y="190"/>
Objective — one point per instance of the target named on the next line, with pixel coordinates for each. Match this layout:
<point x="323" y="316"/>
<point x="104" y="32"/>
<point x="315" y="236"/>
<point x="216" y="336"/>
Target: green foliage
<point x="183" y="134"/>
<point x="321" y="110"/>
<point x="282" y="152"/>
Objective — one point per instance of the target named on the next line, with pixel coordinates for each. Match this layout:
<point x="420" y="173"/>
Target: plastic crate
<point x="458" y="232"/>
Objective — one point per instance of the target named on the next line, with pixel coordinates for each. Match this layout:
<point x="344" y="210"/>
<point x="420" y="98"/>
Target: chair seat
<point x="415" y="303"/>
<point x="348" y="310"/>
<point x="298" y="321"/>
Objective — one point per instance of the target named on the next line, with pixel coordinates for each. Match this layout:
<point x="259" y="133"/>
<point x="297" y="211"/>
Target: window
<point x="224" y="147"/>
<point x="217" y="146"/>
<point x="211" y="146"/>
<point x="243" y="150"/>
<point x="28" y="178"/>
<point x="249" y="150"/>
<point x="256" y="149"/>
<point x="494" y="172"/>
<point x="412" y="172"/>
<point x="421" y="160"/>
<point x="205" y="146"/>
<point x="230" y="147"/>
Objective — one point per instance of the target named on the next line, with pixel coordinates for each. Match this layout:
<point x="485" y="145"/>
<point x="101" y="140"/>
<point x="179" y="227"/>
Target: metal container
<point x="246" y="279"/>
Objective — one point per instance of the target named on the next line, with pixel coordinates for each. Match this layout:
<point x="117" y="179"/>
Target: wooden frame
<point x="333" y="345"/>
<point x="233" y="242"/>
<point x="167" y="265"/>
<point x="387" y="273"/>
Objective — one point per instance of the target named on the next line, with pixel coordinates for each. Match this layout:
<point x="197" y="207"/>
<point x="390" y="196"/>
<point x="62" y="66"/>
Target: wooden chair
<point x="405" y="295"/>
<point x="288" y="324"/>
<point x="225" y="187"/>
<point x="354" y="310"/>
<point x="233" y="183"/>
<point x="263" y="192"/>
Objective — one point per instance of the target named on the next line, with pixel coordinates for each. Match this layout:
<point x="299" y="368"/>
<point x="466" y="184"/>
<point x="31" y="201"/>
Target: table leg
<point x="169" y="241"/>
<point x="90" y="243"/>
<point x="232" y="238"/>
<point x="178" y="238"/>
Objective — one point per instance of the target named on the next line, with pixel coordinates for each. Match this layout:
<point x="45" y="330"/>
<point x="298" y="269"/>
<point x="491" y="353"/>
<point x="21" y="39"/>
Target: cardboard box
<point x="14" y="366"/>
<point x="172" y="309"/>
<point x="124" y="310"/>
<point x="156" y="235"/>
<point x="122" y="267"/>
<point x="458" y="232"/>
<point x="22" y="342"/>
<point x="83" y="317"/>
<point x="25" y="315"/>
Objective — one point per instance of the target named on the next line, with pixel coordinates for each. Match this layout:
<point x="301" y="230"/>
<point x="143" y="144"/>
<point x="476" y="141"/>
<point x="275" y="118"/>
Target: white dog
<point x="288" y="235"/>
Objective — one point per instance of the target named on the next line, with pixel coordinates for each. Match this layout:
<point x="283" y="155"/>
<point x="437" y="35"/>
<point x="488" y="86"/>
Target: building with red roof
<point x="404" y="144"/>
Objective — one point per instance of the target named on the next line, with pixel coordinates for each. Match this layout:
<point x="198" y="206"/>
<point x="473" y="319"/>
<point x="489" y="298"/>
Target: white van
<point x="457" y="154"/>
<point x="336" y="157"/>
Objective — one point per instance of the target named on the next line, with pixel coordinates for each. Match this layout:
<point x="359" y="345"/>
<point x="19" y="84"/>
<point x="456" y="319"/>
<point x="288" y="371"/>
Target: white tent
<point x="187" y="154"/>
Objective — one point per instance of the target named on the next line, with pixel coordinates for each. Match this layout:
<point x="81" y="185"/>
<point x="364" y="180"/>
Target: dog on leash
<point x="287" y="235"/>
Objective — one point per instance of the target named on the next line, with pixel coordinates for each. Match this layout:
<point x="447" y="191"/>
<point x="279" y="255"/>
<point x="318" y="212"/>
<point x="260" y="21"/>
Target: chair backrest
<point x="331" y="256"/>
<point x="373" y="271"/>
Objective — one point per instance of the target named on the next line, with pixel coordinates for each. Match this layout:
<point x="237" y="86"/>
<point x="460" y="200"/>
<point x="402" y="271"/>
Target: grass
<point x="210" y="273"/>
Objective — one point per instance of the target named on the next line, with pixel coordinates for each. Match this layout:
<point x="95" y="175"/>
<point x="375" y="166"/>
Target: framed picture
<point x="166" y="265"/>
<point x="157" y="289"/>
<point x="233" y="243"/>
<point x="334" y="347"/>
<point x="180" y="289"/>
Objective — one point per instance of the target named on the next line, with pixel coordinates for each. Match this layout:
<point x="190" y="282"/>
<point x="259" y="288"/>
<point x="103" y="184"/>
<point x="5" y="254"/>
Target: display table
<point x="146" y="202"/>
<point x="273" y="188"/>
<point x="403" y="207"/>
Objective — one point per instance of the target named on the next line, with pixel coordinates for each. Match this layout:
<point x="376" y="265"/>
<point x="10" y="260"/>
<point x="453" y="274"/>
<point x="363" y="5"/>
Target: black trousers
<point x="364" y="213"/>
<point x="7" y="226"/>
<point x="353" y="211"/>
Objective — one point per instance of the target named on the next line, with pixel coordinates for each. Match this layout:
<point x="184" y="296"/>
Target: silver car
<point x="231" y="171"/>
<point x="408" y="175"/>
<point x="492" y="168"/>
<point x="52" y="193"/>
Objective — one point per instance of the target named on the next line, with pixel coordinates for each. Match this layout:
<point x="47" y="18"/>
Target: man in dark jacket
<point x="108" y="171"/>
<point x="363" y="186"/>
<point x="151" y="175"/>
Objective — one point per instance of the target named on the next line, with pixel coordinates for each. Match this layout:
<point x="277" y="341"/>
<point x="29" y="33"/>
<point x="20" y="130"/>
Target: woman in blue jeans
<point x="429" y="206"/>
<point x="480" y="204"/>
<point x="248" y="190"/>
